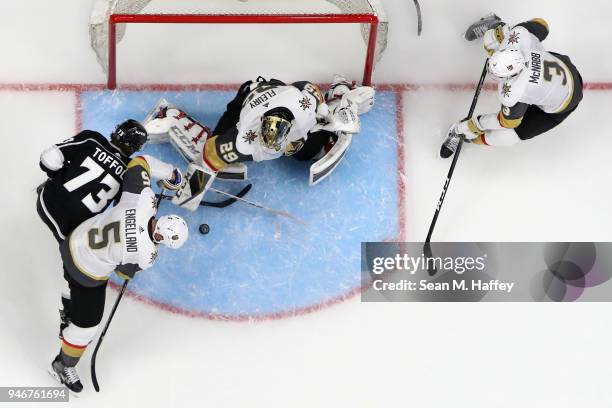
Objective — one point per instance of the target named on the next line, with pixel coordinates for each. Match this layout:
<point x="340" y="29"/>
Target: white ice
<point x="556" y="187"/>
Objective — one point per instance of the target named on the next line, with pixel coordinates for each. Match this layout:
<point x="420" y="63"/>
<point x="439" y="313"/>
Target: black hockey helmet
<point x="129" y="136"/>
<point x="275" y="126"/>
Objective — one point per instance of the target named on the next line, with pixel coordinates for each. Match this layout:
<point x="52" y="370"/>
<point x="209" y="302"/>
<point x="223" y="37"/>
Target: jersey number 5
<point x="93" y="172"/>
<point x="92" y="234"/>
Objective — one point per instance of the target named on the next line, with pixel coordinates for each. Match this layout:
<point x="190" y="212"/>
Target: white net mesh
<point x="103" y="9"/>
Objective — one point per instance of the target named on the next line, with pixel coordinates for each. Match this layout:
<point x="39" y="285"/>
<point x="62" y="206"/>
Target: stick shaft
<point x="456" y="157"/>
<point x="94" y="378"/>
<point x="263" y="207"/>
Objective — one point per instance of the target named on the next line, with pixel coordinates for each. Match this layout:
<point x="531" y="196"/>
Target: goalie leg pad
<point x="157" y="123"/>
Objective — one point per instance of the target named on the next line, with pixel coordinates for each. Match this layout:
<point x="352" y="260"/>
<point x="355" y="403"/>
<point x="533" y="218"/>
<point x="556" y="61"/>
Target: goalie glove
<point x="342" y="91"/>
<point x="343" y="119"/>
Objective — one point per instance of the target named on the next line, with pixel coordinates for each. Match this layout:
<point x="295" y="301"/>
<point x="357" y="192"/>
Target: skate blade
<point x="56" y="377"/>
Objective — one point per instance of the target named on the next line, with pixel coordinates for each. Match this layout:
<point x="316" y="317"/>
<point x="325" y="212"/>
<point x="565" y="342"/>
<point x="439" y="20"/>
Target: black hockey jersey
<point x="85" y="175"/>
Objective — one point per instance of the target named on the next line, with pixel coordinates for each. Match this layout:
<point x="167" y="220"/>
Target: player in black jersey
<point x="85" y="175"/>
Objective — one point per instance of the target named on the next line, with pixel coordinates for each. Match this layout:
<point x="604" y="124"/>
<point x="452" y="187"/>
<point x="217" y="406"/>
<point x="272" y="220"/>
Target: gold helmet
<point x="275" y="126"/>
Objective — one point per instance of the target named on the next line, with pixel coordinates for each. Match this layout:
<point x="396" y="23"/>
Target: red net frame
<point x="370" y="19"/>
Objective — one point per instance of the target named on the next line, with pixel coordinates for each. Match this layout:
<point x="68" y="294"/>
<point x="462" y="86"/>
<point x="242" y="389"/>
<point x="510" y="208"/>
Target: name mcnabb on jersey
<point x="536" y="67"/>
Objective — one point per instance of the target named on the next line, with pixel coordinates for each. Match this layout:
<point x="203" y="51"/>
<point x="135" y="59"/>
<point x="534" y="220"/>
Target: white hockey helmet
<point x="506" y="63"/>
<point x="173" y="230"/>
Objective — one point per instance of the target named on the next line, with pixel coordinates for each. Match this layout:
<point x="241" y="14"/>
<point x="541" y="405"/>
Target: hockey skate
<point x="66" y="375"/>
<point x="449" y="147"/>
<point x="480" y="27"/>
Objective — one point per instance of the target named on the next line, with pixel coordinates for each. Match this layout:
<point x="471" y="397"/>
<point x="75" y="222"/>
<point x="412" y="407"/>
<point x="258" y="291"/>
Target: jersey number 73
<point x="94" y="170"/>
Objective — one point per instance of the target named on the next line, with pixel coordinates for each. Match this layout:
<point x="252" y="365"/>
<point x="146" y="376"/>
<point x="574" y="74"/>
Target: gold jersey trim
<point x="79" y="267"/>
<point x="473" y="128"/>
<point x="211" y="157"/>
<point x="509" y="123"/>
<point x="140" y="161"/>
<point x="571" y="93"/>
<point x="541" y="21"/>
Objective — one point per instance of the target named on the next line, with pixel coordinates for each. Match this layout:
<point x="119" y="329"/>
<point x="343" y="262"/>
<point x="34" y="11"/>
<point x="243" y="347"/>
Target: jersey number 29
<point x="94" y="170"/>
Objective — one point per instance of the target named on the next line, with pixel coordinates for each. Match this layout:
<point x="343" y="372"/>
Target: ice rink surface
<point x="555" y="188"/>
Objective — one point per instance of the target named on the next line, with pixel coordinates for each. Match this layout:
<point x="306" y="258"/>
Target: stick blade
<point x="431" y="269"/>
<point x="94" y="378"/>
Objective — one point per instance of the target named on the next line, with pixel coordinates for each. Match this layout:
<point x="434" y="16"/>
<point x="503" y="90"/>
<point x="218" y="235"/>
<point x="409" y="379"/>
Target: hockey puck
<point x="204" y="229"/>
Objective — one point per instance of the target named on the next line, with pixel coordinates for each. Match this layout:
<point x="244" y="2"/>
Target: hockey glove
<point x="493" y="38"/>
<point x="344" y="120"/>
<point x="470" y="128"/>
<point x="174" y="183"/>
<point x="127" y="271"/>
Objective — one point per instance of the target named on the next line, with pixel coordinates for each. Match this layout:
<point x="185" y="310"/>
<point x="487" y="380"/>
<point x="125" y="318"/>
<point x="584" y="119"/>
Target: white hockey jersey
<point x="547" y="82"/>
<point x="119" y="238"/>
<point x="302" y="105"/>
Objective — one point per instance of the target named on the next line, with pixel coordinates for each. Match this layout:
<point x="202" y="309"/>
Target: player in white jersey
<point x="538" y="89"/>
<point x="123" y="239"/>
<point x="265" y="120"/>
<point x="269" y="119"/>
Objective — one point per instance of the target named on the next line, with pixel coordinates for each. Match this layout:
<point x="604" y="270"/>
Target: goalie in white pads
<point x="266" y="120"/>
<point x="123" y="239"/>
<point x="538" y="89"/>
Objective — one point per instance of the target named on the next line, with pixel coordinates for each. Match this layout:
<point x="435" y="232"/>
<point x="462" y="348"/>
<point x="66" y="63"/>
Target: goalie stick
<point x="263" y="207"/>
<point x="238" y="197"/>
<point x="220" y="204"/>
<point x="431" y="269"/>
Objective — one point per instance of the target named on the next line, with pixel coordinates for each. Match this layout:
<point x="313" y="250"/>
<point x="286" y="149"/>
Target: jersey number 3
<point x="94" y="170"/>
<point x="551" y="67"/>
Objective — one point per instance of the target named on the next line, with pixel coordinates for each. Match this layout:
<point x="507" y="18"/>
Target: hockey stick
<point x="220" y="204"/>
<point x="427" y="247"/>
<point x="94" y="377"/>
<point x="254" y="204"/>
<point x="419" y="17"/>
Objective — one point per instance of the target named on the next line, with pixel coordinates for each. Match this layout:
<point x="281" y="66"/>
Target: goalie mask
<point x="129" y="136"/>
<point x="170" y="230"/>
<point x="275" y="127"/>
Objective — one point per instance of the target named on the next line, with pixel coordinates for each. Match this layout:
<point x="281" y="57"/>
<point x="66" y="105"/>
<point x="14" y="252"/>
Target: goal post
<point x="109" y="18"/>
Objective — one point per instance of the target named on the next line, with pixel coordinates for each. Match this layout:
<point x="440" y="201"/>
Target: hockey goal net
<point x="110" y="17"/>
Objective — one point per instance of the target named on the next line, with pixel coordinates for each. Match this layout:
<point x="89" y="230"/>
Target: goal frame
<point x="371" y="19"/>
